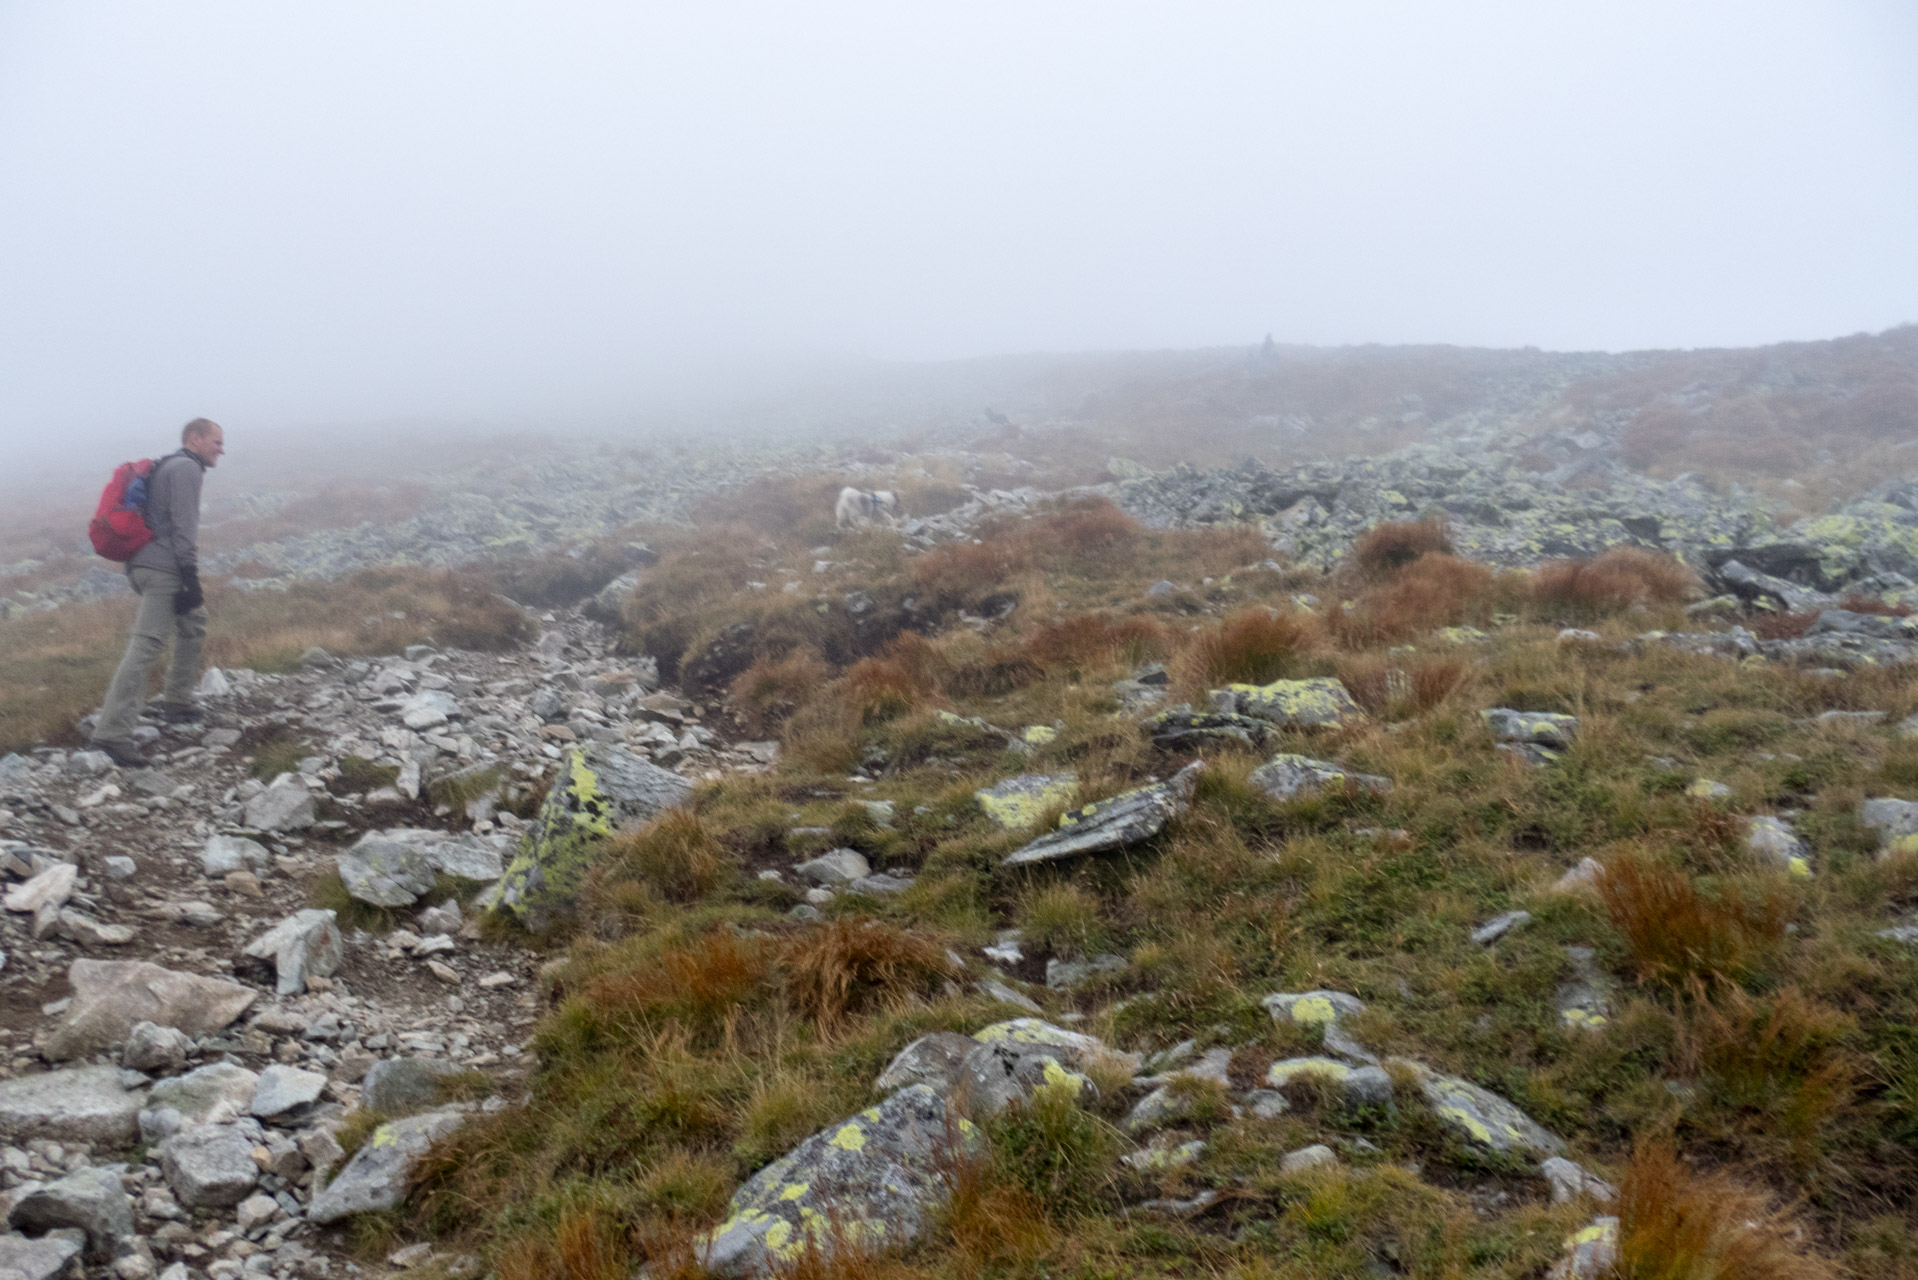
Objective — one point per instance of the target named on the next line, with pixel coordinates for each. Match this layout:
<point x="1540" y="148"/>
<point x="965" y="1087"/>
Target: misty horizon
<point x="488" y="214"/>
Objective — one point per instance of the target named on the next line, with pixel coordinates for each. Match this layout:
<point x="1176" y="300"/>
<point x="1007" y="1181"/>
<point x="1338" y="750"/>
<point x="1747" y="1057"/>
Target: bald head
<point x="204" y="439"/>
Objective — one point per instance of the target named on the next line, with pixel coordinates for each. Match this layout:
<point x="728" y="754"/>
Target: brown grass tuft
<point x="1384" y="549"/>
<point x="1677" y="1224"/>
<point x="1676" y="931"/>
<point x="1778" y="1057"/>
<point x="1612" y="581"/>
<point x="1781" y="626"/>
<point x="1253" y="647"/>
<point x="845" y="965"/>
<point x="1094" y="640"/>
<point x="879" y="689"/>
<point x="767" y="693"/>
<point x="697" y="984"/>
<point x="961" y="572"/>
<point x="1855" y="603"/>
<point x="1436" y="590"/>
<point x="1000" y="670"/>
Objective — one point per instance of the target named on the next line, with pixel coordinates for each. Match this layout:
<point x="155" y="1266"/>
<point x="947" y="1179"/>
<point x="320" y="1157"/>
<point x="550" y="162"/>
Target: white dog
<point x="863" y="506"/>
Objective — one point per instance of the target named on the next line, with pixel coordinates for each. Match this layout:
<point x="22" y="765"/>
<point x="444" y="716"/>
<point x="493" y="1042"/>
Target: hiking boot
<point x="122" y="753"/>
<point x="180" y="713"/>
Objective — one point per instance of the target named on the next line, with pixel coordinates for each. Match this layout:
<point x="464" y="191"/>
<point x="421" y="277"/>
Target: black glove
<point x="189" y="597"/>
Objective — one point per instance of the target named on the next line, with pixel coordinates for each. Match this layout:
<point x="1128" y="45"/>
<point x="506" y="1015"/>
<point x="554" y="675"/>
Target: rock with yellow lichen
<point x="375" y="1178"/>
<point x="1320" y="703"/>
<point x="597" y="790"/>
<point x="1590" y="1253"/>
<point x="1020" y="802"/>
<point x="867" y="1184"/>
<point x="1292" y="777"/>
<point x="1105" y="825"/>
<point x="1014" y="1059"/>
<point x="1479" y="1116"/>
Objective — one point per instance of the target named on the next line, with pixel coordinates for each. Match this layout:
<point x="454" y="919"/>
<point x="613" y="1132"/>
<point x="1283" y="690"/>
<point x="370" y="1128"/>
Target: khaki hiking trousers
<point x="152" y="626"/>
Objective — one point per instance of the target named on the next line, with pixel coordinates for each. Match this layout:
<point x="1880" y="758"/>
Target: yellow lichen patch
<point x="1058" y="1075"/>
<point x="1282" y="1073"/>
<point x="1314" y="1011"/>
<point x="1467" y="1121"/>
<point x="1020" y="802"/>
<point x="794" y="1190"/>
<point x="1589" y="1019"/>
<point x="849" y="1138"/>
<point x="384" y="1137"/>
<point x="1038" y="735"/>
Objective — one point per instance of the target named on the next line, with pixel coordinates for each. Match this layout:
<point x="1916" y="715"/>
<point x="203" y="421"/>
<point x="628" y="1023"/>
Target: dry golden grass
<point x="698" y="984"/>
<point x="54" y="666"/>
<point x="1676" y="931"/>
<point x="1435" y="590"/>
<point x="1678" y="1224"/>
<point x="879" y="689"/>
<point x="674" y="854"/>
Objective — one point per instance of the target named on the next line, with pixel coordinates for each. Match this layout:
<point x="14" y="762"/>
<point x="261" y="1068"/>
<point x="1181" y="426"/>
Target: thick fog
<point x="283" y="214"/>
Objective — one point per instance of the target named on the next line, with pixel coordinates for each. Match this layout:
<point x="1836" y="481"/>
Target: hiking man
<point x="166" y="575"/>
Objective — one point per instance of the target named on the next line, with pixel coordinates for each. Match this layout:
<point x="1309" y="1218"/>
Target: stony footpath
<point x="184" y="1033"/>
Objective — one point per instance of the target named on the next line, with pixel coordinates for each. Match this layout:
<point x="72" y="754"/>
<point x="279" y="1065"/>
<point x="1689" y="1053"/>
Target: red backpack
<point x="119" y="525"/>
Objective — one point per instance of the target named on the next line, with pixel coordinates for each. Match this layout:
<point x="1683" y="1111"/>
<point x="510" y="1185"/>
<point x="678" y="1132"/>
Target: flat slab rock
<point x="210" y="1166"/>
<point x="111" y="996"/>
<point x="1105" y="825"/>
<point x="872" y="1180"/>
<point x="1183" y="729"/>
<point x="78" y="1104"/>
<point x="375" y="1178"/>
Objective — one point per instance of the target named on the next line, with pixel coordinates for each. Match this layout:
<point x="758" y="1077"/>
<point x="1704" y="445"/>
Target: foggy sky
<point x="314" y="212"/>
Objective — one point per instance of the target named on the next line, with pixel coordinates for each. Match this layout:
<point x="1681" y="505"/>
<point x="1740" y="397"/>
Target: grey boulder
<point x="395" y="1086"/>
<point x="79" y="1104"/>
<point x="872" y="1179"/>
<point x="375" y="1178"/>
<point x="47" y="1258"/>
<point x="152" y="1047"/>
<point x="307" y="944"/>
<point x="835" y="867"/>
<point x="90" y="1199"/>
<point x="111" y="996"/>
<point x="209" y="1166"/>
<point x="223" y="854"/>
<point x="283" y="1090"/>
<point x="285" y="806"/>
<point x="1292" y="777"/>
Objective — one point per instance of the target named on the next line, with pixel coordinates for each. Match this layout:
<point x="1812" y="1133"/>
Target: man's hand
<point x="189" y="597"/>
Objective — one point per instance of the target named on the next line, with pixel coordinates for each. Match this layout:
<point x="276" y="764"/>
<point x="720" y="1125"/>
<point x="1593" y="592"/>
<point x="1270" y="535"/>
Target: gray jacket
<point x="173" y="513"/>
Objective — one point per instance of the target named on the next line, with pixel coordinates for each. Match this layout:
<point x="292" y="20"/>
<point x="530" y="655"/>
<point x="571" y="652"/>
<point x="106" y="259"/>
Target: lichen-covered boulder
<point x="1181" y="728"/>
<point x="1895" y="821"/>
<point x="1127" y="818"/>
<point x="375" y="1178"/>
<point x="597" y="790"/>
<point x="1590" y="1252"/>
<point x="1541" y="728"/>
<point x="1773" y="841"/>
<point x="871" y="1182"/>
<point x="1480" y="1116"/>
<point x="1319" y="703"/>
<point x="1019" y="802"/>
<point x="1292" y="777"/>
